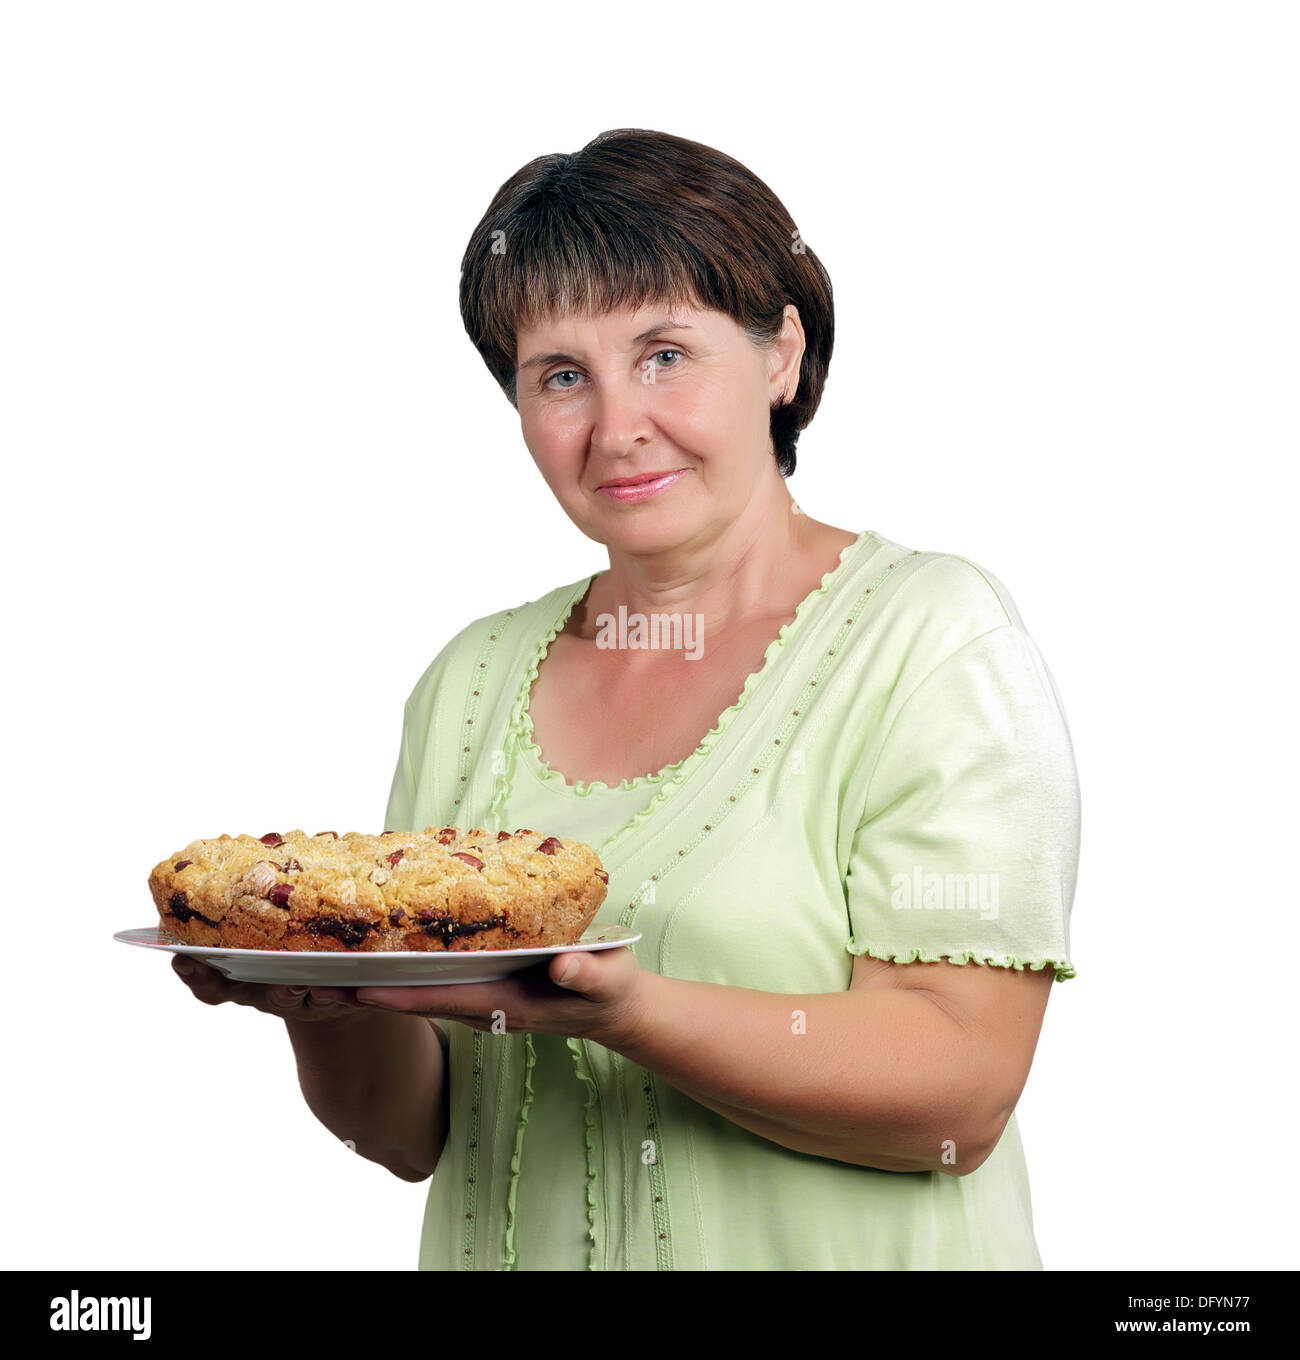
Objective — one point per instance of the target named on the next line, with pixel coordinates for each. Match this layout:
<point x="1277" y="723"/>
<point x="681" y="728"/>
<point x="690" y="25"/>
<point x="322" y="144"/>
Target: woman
<point x="839" y="803"/>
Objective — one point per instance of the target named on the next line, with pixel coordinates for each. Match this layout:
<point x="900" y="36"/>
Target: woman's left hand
<point x="586" y="995"/>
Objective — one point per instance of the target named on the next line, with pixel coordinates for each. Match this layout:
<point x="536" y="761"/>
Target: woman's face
<point x="677" y="395"/>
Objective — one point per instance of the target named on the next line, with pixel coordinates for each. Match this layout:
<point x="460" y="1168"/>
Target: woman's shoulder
<point x="923" y="608"/>
<point x="961" y="594"/>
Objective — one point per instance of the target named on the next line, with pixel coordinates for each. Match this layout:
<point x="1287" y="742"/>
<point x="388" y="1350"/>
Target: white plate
<point x="334" y="968"/>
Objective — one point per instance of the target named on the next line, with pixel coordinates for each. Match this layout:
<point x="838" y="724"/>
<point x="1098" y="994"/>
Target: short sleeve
<point x="401" y="795"/>
<point x="968" y="846"/>
<point x="417" y="777"/>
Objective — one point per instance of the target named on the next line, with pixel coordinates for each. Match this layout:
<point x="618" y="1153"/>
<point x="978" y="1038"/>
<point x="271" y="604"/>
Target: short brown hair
<point x="637" y="217"/>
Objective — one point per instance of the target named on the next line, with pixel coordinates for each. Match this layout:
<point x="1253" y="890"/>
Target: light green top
<point x="896" y="779"/>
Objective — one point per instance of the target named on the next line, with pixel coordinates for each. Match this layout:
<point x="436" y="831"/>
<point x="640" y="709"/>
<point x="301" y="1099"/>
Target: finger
<point x="185" y="967"/>
<point x="450" y="999"/>
<point x="281" y="999"/>
<point x="288" y="1001"/>
<point x="210" y="986"/>
<point x="331" y="996"/>
<point x="599" y="975"/>
<point x="566" y="970"/>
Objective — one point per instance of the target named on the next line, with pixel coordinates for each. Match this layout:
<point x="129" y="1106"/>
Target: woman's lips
<point x="642" y="491"/>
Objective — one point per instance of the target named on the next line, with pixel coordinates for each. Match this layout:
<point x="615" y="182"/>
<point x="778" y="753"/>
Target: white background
<point x="256" y="476"/>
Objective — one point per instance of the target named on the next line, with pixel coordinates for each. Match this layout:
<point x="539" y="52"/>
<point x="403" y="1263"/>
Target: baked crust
<point x="439" y="889"/>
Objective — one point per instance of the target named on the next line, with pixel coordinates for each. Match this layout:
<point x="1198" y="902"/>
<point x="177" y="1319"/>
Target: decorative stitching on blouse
<point x="471" y="1183"/>
<point x="472" y="705"/>
<point x="658" y="1182"/>
<point x="485" y="654"/>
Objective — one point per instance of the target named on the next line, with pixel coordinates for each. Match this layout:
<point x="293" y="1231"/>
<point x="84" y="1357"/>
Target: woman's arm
<point x="917" y="1067"/>
<point x="377" y="1079"/>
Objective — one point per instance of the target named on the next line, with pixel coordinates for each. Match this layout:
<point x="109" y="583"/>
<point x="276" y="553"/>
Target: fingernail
<point x="297" y="991"/>
<point x="184" y="967"/>
<point x="567" y="970"/>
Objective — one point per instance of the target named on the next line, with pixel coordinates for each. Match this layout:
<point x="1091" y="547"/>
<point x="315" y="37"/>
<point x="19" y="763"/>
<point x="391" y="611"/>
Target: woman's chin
<point x="642" y="532"/>
<point x="645" y="539"/>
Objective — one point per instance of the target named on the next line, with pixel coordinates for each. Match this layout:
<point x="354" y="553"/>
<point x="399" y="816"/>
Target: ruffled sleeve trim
<point x="1063" y="968"/>
<point x="522" y="725"/>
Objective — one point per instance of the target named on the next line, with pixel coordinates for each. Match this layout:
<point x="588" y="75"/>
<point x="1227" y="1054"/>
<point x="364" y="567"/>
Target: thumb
<point x="570" y="971"/>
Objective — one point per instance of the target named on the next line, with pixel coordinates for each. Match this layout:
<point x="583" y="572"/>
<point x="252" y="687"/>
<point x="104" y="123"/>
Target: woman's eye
<point x="573" y="373"/>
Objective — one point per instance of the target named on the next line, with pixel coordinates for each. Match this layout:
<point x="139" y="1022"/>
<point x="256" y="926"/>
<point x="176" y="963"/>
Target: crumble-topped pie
<point x="440" y="889"/>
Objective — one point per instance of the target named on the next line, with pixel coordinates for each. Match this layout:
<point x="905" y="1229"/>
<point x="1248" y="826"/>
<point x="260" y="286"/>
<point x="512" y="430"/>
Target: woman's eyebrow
<point x="558" y="356"/>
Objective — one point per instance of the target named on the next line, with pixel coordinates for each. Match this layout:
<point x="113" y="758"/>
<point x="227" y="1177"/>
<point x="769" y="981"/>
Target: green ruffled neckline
<point x="522" y="723"/>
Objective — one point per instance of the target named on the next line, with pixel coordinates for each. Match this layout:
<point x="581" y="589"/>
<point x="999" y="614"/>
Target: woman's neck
<point x="758" y="565"/>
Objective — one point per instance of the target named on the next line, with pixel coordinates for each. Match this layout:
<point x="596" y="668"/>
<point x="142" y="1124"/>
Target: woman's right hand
<point x="288" y="1003"/>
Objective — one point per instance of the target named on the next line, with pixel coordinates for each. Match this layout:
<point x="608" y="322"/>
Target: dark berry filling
<point x="346" y="932"/>
<point x="180" y="908"/>
<point x="448" y="930"/>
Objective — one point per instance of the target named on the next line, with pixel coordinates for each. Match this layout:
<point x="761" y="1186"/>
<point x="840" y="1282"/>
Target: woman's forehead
<point x="627" y="315"/>
<point x="618" y="326"/>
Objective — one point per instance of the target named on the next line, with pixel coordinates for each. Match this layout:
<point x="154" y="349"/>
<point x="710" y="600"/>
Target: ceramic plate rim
<point x="178" y="947"/>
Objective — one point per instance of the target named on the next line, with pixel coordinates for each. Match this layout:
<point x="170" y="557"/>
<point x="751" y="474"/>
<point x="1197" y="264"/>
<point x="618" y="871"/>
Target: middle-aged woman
<point x="845" y="821"/>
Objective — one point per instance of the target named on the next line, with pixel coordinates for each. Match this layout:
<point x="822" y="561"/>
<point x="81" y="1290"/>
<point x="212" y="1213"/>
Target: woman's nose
<point x="621" y="415"/>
